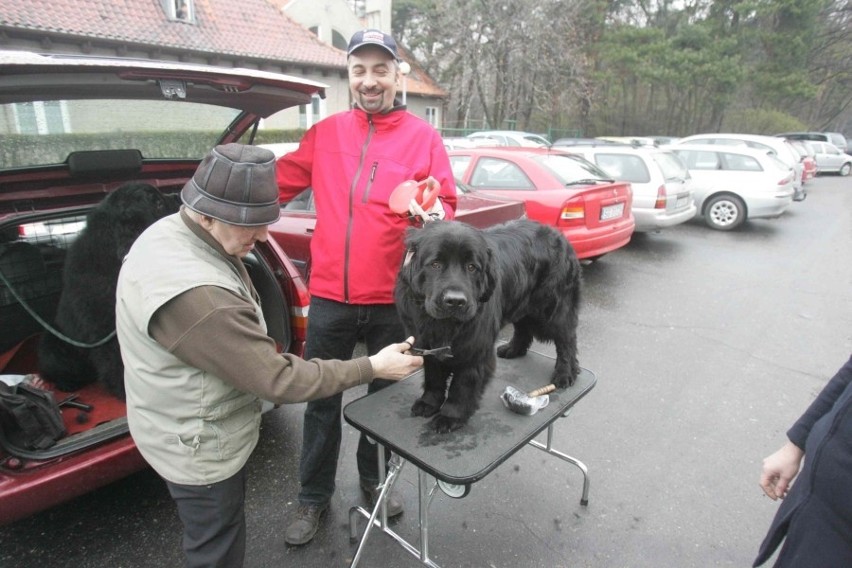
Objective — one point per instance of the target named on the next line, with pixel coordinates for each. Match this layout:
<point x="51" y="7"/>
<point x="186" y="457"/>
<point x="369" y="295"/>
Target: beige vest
<point x="192" y="427"/>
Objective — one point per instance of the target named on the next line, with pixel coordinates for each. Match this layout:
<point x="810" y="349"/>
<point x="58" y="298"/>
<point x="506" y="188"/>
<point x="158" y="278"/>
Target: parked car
<point x="830" y="159"/>
<point x="662" y="188"/>
<point x="453" y="142"/>
<point x="82" y="127"/>
<point x="734" y="183"/>
<point x="778" y="145"/>
<point x="835" y="138"/>
<point x="634" y="141"/>
<point x="294" y="229"/>
<point x="568" y="142"/>
<point x="511" y="138"/>
<point x="578" y="198"/>
<point x="807" y="157"/>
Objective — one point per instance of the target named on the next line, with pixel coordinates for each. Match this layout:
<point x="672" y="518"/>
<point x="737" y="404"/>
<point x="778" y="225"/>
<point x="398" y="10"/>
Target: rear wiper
<point x="589" y="181"/>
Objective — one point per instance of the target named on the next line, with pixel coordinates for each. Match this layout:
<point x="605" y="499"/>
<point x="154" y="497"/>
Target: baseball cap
<point x="235" y="183"/>
<point x="373" y="37"/>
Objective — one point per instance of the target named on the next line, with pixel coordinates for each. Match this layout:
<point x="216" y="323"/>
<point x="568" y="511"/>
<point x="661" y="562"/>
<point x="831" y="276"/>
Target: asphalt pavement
<point x="706" y="346"/>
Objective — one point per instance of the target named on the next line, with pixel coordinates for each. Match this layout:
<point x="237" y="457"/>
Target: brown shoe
<point x="305" y="526"/>
<point x="393" y="500"/>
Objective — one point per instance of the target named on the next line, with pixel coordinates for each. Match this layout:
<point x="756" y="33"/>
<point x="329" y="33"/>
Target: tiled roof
<point x="242" y="28"/>
<point x="418" y="81"/>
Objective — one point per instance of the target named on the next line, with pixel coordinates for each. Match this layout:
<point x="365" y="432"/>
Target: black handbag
<point x="30" y="418"/>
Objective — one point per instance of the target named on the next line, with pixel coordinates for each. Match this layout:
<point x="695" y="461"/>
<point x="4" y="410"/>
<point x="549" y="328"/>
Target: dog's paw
<point x="509" y="351"/>
<point x="445" y="424"/>
<point x="563" y="380"/>
<point x="423" y="408"/>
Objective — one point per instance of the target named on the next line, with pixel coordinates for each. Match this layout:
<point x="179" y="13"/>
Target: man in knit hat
<point x="197" y="357"/>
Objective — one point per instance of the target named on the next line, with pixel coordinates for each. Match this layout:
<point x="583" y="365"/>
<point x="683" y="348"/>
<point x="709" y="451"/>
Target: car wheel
<point x="845" y="169"/>
<point x="724" y="212"/>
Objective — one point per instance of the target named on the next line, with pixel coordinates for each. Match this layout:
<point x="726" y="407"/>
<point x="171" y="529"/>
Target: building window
<point x="180" y="10"/>
<point x="41" y="117"/>
<point x="338" y="41"/>
<point x="432" y="116"/>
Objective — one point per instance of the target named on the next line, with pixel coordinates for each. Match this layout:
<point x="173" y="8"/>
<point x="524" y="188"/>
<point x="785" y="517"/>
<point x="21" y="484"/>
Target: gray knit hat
<point x="236" y="184"/>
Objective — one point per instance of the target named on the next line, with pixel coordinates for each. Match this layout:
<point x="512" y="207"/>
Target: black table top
<point x="492" y="435"/>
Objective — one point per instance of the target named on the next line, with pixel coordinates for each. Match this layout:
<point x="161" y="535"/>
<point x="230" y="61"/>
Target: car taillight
<point x="786" y="180"/>
<point x="660" y="203"/>
<point x="573" y="213"/>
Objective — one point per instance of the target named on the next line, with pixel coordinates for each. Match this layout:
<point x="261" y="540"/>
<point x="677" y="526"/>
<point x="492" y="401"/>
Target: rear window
<point x="625" y="167"/>
<point x="671" y="165"/>
<point x="44" y="132"/>
<point x="570" y="169"/>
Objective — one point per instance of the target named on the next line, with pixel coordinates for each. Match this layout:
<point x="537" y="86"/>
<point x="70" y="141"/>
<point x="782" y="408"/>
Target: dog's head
<point x="126" y="212"/>
<point x="451" y="266"/>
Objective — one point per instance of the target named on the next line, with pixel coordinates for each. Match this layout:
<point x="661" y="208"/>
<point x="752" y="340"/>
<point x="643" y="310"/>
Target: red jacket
<point x="353" y="161"/>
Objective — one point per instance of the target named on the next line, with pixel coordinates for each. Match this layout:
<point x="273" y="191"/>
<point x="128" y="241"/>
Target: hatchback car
<point x="830" y="159"/>
<point x="807" y="157"/>
<point x="779" y="146"/>
<point x="733" y="184"/>
<point x="294" y="229"/>
<point x="74" y="128"/>
<point x="593" y="211"/>
<point x="662" y="189"/>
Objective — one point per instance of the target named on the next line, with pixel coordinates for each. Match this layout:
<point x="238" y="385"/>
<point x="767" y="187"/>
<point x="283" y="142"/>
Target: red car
<point x="294" y="229"/>
<point x="74" y="128"/>
<point x="566" y="191"/>
<point x="807" y="156"/>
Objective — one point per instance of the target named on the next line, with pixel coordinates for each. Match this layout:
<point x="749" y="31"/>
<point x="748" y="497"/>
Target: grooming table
<point x="458" y="459"/>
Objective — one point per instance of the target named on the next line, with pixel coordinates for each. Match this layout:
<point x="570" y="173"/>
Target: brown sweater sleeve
<point x="215" y="330"/>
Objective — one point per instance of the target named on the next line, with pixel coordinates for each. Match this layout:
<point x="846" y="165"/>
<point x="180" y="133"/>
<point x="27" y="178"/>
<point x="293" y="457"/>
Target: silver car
<point x="662" y="189"/>
<point x="779" y="146"/>
<point x="830" y="159"/>
<point x="735" y="183"/>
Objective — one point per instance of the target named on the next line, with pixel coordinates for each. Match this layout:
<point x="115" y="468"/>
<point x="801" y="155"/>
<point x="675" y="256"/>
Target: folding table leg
<point x="380" y="506"/>
<point x="584" y="500"/>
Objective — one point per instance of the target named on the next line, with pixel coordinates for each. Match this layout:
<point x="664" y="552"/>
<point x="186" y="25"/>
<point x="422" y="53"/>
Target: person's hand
<point x="434" y="213"/>
<point x="779" y="469"/>
<point x="393" y="363"/>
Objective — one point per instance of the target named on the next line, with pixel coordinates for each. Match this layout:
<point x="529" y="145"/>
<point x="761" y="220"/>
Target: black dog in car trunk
<point x="86" y="311"/>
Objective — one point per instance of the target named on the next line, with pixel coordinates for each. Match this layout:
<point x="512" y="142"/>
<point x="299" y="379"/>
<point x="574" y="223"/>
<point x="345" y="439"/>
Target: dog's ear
<point x="489" y="276"/>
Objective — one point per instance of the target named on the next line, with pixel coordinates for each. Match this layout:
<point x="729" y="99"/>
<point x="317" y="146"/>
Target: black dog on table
<point x="86" y="310"/>
<point x="458" y="286"/>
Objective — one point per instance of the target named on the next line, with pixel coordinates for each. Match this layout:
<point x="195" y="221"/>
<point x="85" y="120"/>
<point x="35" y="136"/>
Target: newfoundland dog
<point x="86" y="310"/>
<point x="458" y="286"/>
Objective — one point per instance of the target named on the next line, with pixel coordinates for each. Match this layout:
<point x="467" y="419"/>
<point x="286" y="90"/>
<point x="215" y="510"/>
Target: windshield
<point x="570" y="169"/>
<point x="44" y="132"/>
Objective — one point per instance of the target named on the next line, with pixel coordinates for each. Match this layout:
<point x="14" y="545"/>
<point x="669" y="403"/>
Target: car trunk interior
<point x="32" y="254"/>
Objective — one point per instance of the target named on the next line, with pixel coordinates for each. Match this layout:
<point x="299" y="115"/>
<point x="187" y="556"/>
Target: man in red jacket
<point x="353" y="160"/>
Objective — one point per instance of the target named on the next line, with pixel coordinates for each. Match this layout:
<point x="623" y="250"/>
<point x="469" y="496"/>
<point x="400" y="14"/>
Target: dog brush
<point x="529" y="403"/>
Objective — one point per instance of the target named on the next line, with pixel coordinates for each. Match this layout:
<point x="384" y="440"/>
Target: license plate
<point x="612" y="211"/>
<point x="682" y="201"/>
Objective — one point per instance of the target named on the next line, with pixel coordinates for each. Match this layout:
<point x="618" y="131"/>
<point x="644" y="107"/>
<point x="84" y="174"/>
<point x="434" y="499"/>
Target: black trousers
<point x="214" y="523"/>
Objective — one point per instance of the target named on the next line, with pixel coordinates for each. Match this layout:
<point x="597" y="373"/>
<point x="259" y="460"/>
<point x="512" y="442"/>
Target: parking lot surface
<point x="707" y="345"/>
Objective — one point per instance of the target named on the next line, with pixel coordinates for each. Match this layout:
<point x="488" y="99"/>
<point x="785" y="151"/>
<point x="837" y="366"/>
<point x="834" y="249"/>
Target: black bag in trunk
<point x="30" y="419"/>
